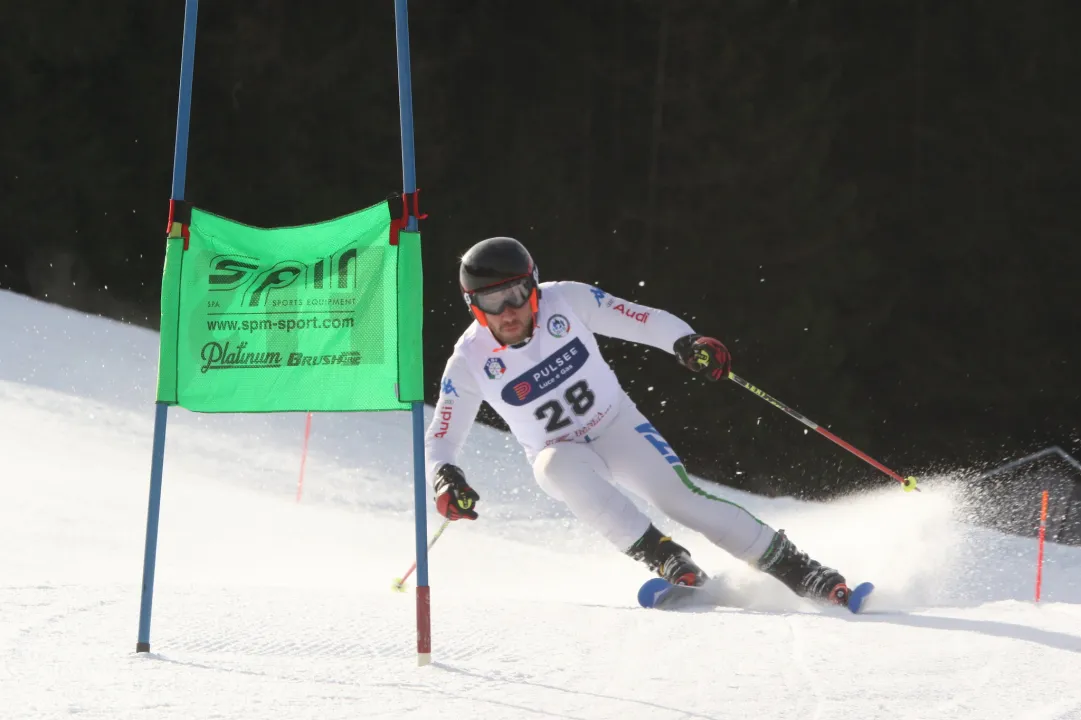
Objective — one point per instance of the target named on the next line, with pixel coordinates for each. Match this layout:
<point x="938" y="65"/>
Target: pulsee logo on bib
<point x="547" y="375"/>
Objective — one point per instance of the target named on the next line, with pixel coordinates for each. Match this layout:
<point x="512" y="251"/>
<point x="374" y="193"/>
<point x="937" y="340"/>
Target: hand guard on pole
<point x="453" y="497"/>
<point x="705" y="355"/>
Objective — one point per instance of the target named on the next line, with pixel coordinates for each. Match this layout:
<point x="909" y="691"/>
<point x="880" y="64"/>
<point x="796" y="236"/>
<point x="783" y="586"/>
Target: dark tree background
<point x="876" y="205"/>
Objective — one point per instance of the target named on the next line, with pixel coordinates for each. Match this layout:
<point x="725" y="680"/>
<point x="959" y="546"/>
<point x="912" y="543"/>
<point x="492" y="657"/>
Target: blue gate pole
<point x="409" y="186"/>
<point x="161" y="411"/>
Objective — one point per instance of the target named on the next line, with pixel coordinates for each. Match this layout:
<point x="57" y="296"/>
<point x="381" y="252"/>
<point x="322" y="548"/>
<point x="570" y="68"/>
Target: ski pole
<point x="908" y="483"/>
<point x="399" y="583"/>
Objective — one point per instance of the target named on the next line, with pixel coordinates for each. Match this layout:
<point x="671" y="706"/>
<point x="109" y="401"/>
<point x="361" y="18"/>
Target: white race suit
<point x="580" y="431"/>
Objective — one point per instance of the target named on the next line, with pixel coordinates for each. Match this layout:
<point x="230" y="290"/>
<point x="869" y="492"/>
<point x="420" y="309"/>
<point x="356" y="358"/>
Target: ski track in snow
<point x="812" y="681"/>
<point x="269" y="608"/>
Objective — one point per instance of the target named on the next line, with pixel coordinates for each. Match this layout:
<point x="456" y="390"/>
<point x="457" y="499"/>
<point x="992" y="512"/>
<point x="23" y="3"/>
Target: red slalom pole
<point x="1039" y="556"/>
<point x="908" y="483"/>
<point x="304" y="455"/>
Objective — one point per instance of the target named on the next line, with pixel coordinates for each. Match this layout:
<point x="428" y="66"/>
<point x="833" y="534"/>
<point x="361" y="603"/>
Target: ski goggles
<point x="495" y="300"/>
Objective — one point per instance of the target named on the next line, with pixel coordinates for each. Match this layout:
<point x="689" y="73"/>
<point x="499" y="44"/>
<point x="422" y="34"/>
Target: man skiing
<point x="532" y="355"/>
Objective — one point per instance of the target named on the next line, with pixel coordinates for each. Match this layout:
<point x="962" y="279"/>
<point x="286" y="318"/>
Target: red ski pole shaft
<point x="908" y="483"/>
<point x="399" y="583"/>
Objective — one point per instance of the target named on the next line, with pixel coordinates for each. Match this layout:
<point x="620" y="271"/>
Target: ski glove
<point x="703" y="354"/>
<point x="453" y="497"/>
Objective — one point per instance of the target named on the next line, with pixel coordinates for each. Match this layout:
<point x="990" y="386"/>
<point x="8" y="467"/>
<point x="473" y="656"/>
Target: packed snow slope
<point x="266" y="607"/>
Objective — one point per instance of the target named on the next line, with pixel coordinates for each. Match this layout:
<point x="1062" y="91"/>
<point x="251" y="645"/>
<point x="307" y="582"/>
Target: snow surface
<point x="270" y="608"/>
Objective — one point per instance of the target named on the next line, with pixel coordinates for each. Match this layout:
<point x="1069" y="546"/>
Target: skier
<point x="532" y="355"/>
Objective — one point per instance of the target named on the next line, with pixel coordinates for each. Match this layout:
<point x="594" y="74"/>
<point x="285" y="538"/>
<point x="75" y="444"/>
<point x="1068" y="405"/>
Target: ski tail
<point x="858" y="596"/>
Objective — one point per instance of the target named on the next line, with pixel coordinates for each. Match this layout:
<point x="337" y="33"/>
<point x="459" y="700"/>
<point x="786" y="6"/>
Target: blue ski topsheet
<point x="859" y="596"/>
<point x="659" y="593"/>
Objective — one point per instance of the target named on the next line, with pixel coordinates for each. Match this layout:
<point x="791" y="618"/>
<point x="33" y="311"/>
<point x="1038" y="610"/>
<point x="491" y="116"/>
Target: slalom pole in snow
<point x="908" y="483"/>
<point x="399" y="583"/>
<point x="409" y="188"/>
<point x="1043" y="534"/>
<point x="161" y="409"/>
<point x="304" y="455"/>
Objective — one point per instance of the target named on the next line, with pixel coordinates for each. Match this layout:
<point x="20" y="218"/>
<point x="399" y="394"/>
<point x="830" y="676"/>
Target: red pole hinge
<point x="400" y="223"/>
<point x="179" y="222"/>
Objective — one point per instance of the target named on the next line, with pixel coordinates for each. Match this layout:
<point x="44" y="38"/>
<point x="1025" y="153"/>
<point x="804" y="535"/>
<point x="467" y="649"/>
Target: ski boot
<point x="806" y="577"/>
<point x="666" y="558"/>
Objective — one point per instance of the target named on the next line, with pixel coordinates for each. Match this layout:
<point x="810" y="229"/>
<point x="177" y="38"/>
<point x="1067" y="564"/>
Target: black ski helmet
<point x="492" y="262"/>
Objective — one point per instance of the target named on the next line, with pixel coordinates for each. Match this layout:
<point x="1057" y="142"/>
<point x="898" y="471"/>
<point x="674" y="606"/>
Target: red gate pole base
<point x="424" y="625"/>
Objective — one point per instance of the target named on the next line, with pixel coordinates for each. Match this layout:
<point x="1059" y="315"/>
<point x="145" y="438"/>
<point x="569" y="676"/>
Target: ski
<point x="858" y="596"/>
<point x="658" y="593"/>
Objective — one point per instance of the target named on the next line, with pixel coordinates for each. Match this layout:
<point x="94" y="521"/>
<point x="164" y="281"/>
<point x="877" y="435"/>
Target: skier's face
<point x="513" y="325"/>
